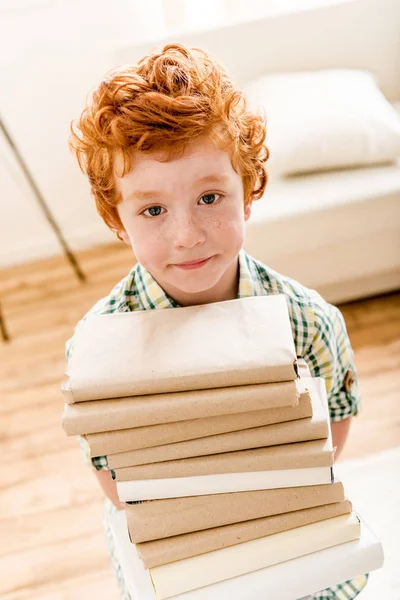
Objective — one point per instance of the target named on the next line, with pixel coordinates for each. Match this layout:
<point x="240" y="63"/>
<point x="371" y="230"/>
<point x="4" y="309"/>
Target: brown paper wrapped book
<point x="237" y="342"/>
<point x="167" y="550"/>
<point x="314" y="428"/>
<point x="302" y="455"/>
<point x="176" y="516"/>
<point x="287" y="465"/>
<point x="257" y="437"/>
<point x="140" y="411"/>
<point x="124" y="440"/>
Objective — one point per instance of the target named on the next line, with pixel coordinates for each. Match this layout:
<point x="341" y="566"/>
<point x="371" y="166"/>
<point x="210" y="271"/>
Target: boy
<point x="175" y="160"/>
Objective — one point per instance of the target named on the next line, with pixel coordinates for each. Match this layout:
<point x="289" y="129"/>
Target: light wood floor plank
<point x="95" y="585"/>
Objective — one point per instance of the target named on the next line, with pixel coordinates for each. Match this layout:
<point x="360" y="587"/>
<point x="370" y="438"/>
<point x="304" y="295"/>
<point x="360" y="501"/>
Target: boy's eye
<point x="153" y="211"/>
<point x="209" y="198"/>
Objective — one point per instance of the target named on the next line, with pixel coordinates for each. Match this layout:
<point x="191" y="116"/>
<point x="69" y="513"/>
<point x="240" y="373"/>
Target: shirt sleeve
<point x="330" y="355"/>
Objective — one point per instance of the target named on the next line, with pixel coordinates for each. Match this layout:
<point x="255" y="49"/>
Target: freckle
<point x="214" y="224"/>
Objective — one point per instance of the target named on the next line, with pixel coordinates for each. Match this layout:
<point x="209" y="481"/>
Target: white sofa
<point x="337" y="231"/>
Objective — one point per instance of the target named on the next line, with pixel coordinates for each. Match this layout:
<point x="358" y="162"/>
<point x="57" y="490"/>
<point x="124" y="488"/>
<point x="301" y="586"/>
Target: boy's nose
<point x="188" y="233"/>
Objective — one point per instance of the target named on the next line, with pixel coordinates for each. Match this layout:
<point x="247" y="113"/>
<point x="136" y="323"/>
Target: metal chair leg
<point x="43" y="205"/>
<point x="3" y="328"/>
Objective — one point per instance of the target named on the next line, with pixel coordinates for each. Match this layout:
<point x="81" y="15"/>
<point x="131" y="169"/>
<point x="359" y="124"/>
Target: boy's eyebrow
<point x="157" y="195"/>
<point x="145" y="195"/>
<point x="214" y="178"/>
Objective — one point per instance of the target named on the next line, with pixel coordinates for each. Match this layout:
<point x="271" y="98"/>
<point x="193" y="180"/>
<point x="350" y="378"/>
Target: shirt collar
<point x="250" y="283"/>
<point x="152" y="295"/>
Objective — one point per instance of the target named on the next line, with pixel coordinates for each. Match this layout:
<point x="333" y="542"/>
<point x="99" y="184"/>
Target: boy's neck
<point x="225" y="289"/>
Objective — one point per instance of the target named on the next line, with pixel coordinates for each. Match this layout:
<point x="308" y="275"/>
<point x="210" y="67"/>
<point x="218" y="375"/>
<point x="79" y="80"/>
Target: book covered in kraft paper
<point x="176" y="516"/>
<point x="301" y="455"/>
<point x="313" y="428"/>
<point x="236" y="342"/>
<point x="288" y="465"/>
<point x="167" y="550"/>
<point x="124" y="440"/>
<point x="200" y="571"/>
<point x="302" y="576"/>
<point x="140" y="411"/>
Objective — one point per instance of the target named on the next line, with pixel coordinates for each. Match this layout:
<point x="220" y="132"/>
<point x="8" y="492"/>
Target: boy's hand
<point x="340" y="431"/>
<point x="109" y="486"/>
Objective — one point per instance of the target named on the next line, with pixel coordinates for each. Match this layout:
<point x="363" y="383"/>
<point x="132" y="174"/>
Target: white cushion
<point x="325" y="120"/>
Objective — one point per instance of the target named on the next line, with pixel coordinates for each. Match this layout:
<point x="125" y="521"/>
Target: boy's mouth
<point x="193" y="264"/>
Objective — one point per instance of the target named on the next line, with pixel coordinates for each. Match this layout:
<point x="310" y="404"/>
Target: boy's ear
<point x="123" y="236"/>
<point x="247" y="210"/>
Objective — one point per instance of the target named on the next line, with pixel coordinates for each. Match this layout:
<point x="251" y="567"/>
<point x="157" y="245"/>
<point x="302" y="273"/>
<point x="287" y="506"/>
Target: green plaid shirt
<point x="319" y="334"/>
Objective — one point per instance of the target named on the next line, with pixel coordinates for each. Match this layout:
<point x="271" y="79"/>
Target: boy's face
<point x="185" y="220"/>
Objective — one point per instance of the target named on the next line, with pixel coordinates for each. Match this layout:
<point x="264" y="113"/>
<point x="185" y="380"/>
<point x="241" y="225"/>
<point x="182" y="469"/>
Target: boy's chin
<point x="195" y="287"/>
<point x="194" y="284"/>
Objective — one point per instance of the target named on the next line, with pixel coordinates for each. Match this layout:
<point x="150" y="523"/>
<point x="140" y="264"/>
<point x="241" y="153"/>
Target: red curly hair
<point x="166" y="101"/>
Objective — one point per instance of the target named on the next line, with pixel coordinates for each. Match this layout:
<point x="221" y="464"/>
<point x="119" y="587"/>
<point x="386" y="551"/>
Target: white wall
<point x="54" y="51"/>
<point x="50" y="56"/>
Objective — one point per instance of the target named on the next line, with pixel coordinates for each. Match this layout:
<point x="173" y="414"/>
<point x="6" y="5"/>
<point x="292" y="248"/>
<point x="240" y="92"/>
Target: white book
<point x="226" y="563"/>
<point x="284" y="581"/>
<point x="180" y="487"/>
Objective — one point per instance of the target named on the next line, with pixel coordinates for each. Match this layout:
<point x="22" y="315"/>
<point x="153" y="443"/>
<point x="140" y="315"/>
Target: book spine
<point x="298" y="456"/>
<point x="153" y="489"/>
<point x="163" y="551"/>
<point x="165" y="518"/>
<point x="258" y="437"/>
<point x="113" y="414"/>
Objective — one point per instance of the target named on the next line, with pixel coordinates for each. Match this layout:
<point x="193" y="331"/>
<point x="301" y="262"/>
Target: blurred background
<point x="327" y="75"/>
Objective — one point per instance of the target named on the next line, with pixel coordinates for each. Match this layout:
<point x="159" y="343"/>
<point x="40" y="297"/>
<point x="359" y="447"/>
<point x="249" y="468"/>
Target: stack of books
<point x="220" y="444"/>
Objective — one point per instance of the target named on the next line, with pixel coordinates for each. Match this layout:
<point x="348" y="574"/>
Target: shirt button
<point x="349" y="380"/>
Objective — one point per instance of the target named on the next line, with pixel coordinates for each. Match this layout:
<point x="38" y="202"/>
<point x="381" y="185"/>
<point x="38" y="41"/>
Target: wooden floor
<point x="50" y="506"/>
